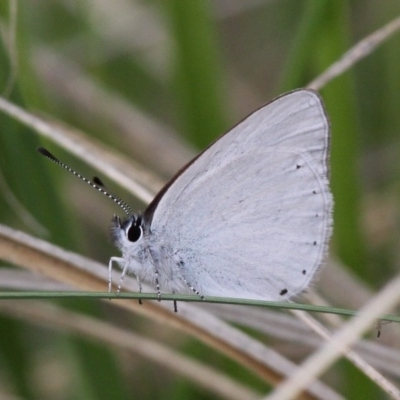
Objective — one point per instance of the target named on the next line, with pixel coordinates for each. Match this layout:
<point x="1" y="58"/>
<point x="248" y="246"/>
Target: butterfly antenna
<point x="97" y="183"/>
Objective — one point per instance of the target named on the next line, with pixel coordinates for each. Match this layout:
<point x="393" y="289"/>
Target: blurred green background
<point x="194" y="68"/>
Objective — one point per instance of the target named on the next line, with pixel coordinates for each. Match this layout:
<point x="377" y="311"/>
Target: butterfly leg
<point x="378" y="327"/>
<point x="157" y="284"/>
<point x="140" y="288"/>
<point x="121" y="279"/>
<point x="193" y="289"/>
<point x="175" y="303"/>
<point x="112" y="259"/>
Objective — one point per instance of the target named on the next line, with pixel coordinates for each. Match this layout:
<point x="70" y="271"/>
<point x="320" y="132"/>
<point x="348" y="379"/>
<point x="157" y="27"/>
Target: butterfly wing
<point x="251" y="216"/>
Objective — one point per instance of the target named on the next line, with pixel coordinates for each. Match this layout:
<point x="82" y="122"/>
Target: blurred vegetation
<point x="195" y="67"/>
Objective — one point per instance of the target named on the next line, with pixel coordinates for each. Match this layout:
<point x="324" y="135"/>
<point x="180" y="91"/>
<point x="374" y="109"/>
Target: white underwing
<point x="250" y="217"/>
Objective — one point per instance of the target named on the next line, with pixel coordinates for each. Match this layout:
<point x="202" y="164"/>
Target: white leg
<point x="157" y="285"/>
<point x="140" y="288"/>
<point x="121" y="279"/>
<point x="194" y="290"/>
<point x="118" y="260"/>
<point x="139" y="284"/>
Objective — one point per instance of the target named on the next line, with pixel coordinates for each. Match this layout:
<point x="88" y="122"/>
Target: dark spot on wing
<point x="283" y="292"/>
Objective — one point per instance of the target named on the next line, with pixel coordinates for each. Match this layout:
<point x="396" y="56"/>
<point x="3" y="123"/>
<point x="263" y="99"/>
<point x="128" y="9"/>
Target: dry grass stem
<point x="339" y="343"/>
<point x="361" y="50"/>
<point x="55" y="317"/>
<point x="284" y="327"/>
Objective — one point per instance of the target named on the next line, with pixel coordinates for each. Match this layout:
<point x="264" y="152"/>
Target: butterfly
<point x="249" y="217"/>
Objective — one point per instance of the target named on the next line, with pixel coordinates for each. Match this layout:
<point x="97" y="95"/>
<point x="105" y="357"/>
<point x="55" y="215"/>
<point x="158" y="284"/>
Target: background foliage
<point x="194" y="68"/>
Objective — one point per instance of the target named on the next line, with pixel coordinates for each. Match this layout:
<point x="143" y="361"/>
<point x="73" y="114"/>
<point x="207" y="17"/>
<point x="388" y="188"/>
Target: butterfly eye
<point x="134" y="233"/>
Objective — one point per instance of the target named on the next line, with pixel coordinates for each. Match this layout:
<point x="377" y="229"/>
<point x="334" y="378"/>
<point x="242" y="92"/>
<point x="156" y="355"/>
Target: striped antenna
<point x="97" y="184"/>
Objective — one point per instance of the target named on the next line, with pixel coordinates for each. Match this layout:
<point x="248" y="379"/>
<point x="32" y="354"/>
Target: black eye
<point x="134" y="233"/>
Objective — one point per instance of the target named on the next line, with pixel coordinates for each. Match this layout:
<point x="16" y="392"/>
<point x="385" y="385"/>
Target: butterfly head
<point x="128" y="231"/>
